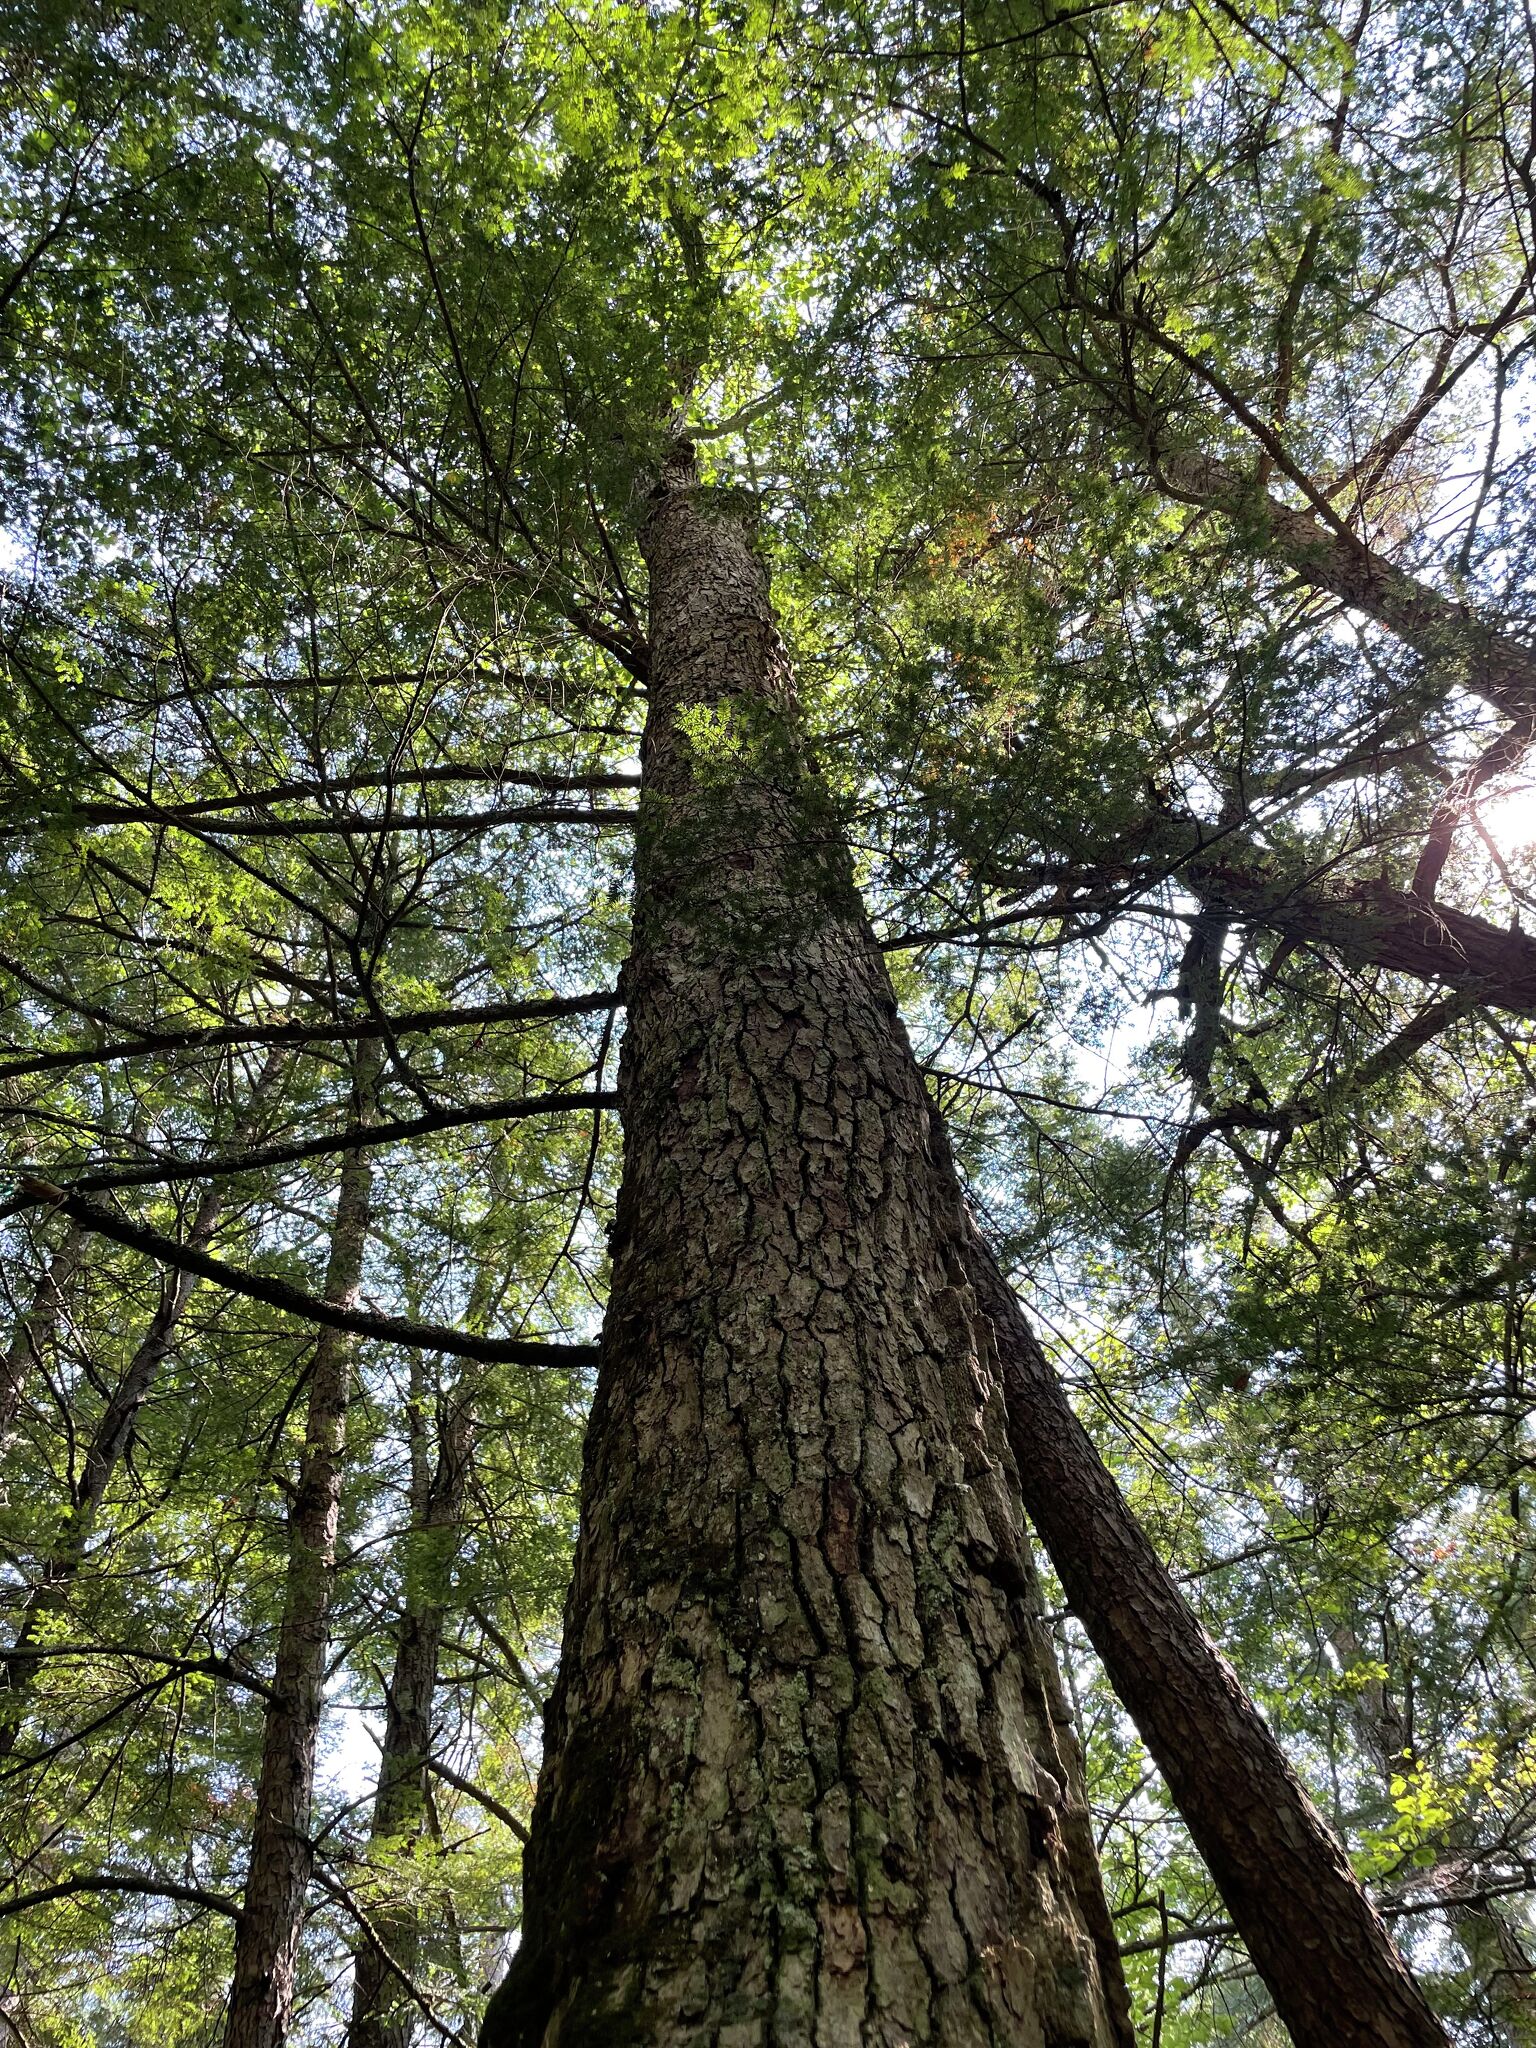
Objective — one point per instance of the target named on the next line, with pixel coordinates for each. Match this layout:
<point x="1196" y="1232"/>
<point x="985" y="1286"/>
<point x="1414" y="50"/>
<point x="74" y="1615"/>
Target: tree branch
<point x="295" y="1301"/>
<point x="115" y="1881"/>
<point x="1445" y="631"/>
<point x="332" y="1031"/>
<point x="597" y="815"/>
<point x="480" y="1796"/>
<point x="361" y="1137"/>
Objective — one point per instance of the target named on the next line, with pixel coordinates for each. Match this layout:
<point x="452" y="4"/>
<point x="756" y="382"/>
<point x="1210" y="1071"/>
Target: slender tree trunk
<point x="113" y="1434"/>
<point x="380" y="2018"/>
<point x="271" y="1918"/>
<point x="1502" y="1977"/>
<point x="35" y="1328"/>
<point x="808" y="1774"/>
<point x="1317" y="1941"/>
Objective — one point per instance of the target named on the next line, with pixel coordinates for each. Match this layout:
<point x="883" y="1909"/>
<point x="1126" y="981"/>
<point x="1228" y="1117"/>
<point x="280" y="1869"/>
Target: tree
<point x="345" y="352"/>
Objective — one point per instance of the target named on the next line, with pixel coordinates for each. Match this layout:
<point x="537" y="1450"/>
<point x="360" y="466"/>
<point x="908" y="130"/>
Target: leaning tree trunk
<point x="271" y="1918"/>
<point x="808" y="1776"/>
<point x="382" y="2017"/>
<point x="1317" y="1941"/>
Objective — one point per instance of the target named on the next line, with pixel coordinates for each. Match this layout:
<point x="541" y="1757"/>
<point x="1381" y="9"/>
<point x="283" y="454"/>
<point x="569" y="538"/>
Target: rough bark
<point x="808" y="1772"/>
<point x="1319" y="1944"/>
<point x="381" y="2016"/>
<point x="271" y="1918"/>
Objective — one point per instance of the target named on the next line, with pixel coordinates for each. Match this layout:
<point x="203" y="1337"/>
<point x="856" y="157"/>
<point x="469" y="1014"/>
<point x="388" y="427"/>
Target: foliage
<point x="341" y="344"/>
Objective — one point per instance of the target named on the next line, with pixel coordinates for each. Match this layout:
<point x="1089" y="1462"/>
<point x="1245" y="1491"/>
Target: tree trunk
<point x="1315" y="1938"/>
<point x="36" y="1327"/>
<point x="277" y="1879"/>
<point x="808" y="1773"/>
<point x="1500" y="1968"/>
<point x="379" y="2017"/>
<point x="114" y="1431"/>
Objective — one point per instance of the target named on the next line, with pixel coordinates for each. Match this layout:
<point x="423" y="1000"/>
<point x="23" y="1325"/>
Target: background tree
<point x="335" y="345"/>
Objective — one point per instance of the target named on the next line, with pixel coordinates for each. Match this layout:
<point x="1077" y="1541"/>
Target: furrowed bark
<point x="808" y="1773"/>
<point x="271" y="1919"/>
<point x="1323" y="1951"/>
<point x="382" y="2015"/>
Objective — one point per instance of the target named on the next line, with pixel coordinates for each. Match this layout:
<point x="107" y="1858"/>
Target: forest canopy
<point x="1131" y="407"/>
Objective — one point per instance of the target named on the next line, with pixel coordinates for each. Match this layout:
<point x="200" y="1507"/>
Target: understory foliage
<point x="340" y="346"/>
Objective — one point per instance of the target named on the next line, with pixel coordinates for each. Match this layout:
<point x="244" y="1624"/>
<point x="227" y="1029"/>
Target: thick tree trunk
<point x="808" y="1773"/>
<point x="1317" y="1941"/>
<point x="381" y="2016"/>
<point x="271" y="1918"/>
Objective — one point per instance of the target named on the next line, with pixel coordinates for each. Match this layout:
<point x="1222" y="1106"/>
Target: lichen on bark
<point x="808" y="1777"/>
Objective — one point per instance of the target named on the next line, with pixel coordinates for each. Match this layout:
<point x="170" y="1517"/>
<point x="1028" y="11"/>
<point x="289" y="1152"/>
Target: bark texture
<point x="808" y="1777"/>
<point x="382" y="2015"/>
<point x="271" y="1918"/>
<point x="1319" y="1944"/>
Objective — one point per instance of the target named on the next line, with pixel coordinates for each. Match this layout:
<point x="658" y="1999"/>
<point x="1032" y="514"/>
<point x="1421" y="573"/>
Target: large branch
<point x="1371" y="923"/>
<point x="1313" y="1933"/>
<point x="1446" y="632"/>
<point x="331" y="1031"/>
<point x="295" y="1301"/>
<point x="1366" y="923"/>
<point x="309" y="789"/>
<point x="480" y="1796"/>
<point x="362" y="1137"/>
<point x="114" y="1881"/>
<point x="604" y="816"/>
<point x="211" y="1666"/>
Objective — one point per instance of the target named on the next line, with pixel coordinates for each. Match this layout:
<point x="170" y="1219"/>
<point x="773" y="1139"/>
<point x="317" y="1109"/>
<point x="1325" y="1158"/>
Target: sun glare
<point x="1508" y="816"/>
